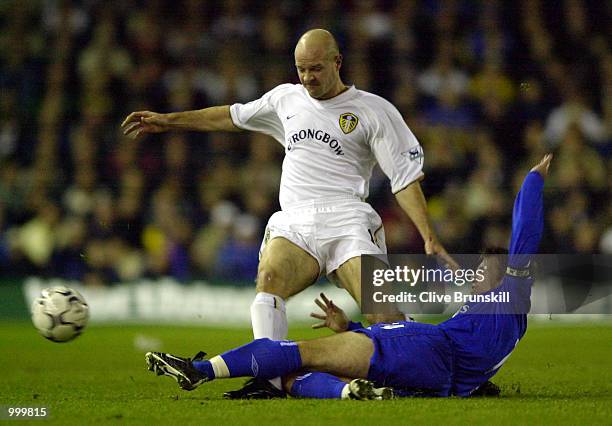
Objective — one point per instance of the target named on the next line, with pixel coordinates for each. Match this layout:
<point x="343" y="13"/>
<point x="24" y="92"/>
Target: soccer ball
<point x="60" y="313"/>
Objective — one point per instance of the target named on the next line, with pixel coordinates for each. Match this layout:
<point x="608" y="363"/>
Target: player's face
<point x="490" y="267"/>
<point x="318" y="74"/>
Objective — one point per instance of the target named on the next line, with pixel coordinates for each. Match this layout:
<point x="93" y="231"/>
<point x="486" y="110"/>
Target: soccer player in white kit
<point x="333" y="136"/>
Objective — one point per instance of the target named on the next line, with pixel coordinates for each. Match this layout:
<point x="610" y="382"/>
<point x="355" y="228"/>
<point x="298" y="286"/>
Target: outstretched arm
<point x="412" y="201"/>
<point x="333" y="317"/>
<point x="528" y="215"/>
<point x="203" y="120"/>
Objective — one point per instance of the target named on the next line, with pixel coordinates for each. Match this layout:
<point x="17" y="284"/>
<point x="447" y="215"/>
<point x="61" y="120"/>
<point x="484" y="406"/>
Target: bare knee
<point x="271" y="280"/>
<point x="267" y="278"/>
<point x="283" y="276"/>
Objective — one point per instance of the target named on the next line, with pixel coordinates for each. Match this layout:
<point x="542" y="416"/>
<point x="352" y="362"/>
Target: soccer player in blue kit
<point x="455" y="357"/>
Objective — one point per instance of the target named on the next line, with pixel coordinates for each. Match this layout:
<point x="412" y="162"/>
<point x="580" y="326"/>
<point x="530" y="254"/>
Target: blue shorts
<point x="414" y="358"/>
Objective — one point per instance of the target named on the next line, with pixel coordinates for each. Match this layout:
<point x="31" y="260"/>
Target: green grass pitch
<point x="559" y="374"/>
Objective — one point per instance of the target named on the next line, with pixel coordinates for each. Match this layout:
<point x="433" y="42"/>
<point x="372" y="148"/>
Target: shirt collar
<point x="349" y="93"/>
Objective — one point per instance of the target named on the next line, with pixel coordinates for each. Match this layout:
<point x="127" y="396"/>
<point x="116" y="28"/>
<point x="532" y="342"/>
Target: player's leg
<point x="284" y="270"/>
<point x="349" y="277"/>
<point x="344" y="354"/>
<point x="315" y="384"/>
<point x="361" y="232"/>
<point x="289" y="380"/>
<point x="339" y="366"/>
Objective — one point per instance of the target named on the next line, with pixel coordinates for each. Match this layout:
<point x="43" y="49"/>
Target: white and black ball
<point x="60" y="313"/>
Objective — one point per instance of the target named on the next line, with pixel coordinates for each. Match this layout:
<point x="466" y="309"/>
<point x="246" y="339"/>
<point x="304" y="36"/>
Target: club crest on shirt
<point x="348" y="121"/>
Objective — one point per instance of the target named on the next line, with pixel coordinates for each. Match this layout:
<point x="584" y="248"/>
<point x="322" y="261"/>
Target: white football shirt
<point x="332" y="145"/>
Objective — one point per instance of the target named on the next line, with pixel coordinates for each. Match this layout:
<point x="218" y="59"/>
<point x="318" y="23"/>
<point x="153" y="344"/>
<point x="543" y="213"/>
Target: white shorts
<point x="331" y="230"/>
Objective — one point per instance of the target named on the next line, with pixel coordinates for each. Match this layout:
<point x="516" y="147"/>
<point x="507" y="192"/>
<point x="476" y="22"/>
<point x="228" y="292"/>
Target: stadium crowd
<point x="486" y="86"/>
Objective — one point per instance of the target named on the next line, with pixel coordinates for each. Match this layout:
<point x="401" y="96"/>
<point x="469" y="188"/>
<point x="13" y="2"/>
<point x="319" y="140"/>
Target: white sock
<point x="269" y="319"/>
<point x="345" y="392"/>
<point x="219" y="367"/>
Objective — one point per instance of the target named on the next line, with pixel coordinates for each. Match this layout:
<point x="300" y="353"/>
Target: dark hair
<point x="498" y="267"/>
<point x="493" y="250"/>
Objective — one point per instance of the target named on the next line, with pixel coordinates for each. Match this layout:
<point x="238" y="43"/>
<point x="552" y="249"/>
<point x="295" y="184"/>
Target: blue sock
<point x="204" y="367"/>
<point x="317" y="385"/>
<point x="263" y="358"/>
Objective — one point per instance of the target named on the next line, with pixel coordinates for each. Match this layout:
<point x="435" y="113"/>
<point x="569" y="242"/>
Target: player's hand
<point x="433" y="246"/>
<point x="140" y="122"/>
<point x="333" y="318"/>
<point x="543" y="165"/>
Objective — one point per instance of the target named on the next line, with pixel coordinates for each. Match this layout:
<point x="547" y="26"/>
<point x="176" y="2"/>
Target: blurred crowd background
<point x="486" y="86"/>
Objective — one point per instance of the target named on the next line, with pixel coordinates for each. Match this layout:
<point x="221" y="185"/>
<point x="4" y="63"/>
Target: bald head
<point x="317" y="41"/>
<point x="318" y="62"/>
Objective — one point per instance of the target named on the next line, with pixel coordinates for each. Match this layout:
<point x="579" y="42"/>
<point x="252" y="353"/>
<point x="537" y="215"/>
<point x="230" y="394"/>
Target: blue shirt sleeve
<point x="354" y="326"/>
<point x="527" y="221"/>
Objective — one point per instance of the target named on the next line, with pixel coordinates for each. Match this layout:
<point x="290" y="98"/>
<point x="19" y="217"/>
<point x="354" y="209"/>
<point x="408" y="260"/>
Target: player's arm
<point x="211" y="119"/>
<point x="528" y="215"/>
<point x="400" y="157"/>
<point x="333" y="317"/>
<point x="412" y="201"/>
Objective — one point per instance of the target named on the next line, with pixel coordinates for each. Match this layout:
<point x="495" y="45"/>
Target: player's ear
<point x="338" y="61"/>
